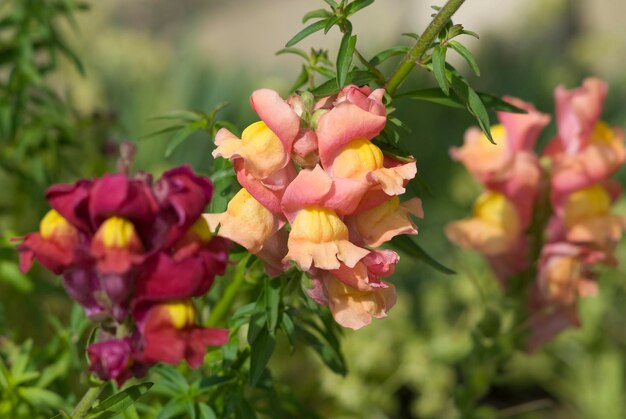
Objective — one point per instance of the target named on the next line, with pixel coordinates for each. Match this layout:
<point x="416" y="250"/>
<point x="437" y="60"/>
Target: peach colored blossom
<point x="245" y="221"/>
<point x="356" y="295"/>
<point x="385" y="221"/>
<point x="266" y="145"/>
<point x="493" y="229"/>
<point x="318" y="236"/>
<point x="344" y="136"/>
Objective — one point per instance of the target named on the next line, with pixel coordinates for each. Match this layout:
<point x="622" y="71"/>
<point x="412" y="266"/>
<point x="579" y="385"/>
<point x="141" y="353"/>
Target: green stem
<point x="223" y="305"/>
<point x="423" y="43"/>
<point x="89" y="398"/>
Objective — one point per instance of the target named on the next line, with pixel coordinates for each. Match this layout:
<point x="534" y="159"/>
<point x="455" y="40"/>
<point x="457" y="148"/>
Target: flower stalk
<point x="422" y="44"/>
<point x="87" y="401"/>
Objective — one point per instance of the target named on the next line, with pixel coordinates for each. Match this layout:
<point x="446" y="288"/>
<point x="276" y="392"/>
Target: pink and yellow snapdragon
<point x="581" y="230"/>
<point x="318" y="193"/>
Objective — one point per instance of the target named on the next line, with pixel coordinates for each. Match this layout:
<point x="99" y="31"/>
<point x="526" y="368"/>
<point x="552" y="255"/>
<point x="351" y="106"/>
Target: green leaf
<point x="20" y="358"/>
<point x="358" y="77"/>
<point x="296" y="51"/>
<point x="272" y="303"/>
<point x="258" y="321"/>
<point x="182" y="115"/>
<point x="303" y="77"/>
<point x="164" y="130"/>
<point x="182" y="135"/>
<point x="473" y="103"/>
<point x="439" y="68"/>
<point x="344" y="57"/>
<point x="357" y="5"/>
<point x="388" y="53"/>
<point x="208" y="383"/>
<point x="36" y="396"/>
<point x="330" y="23"/>
<point x="311" y="29"/>
<point x="331" y="3"/>
<point x="205" y="411"/>
<point x="260" y="353"/>
<point x="287" y="326"/>
<point x="497" y="104"/>
<point x="11" y="275"/>
<point x="408" y="246"/>
<point x="329" y="355"/>
<point x="54" y="371"/>
<point x="433" y="95"/>
<point x="470" y="33"/>
<point x="117" y="403"/>
<point x="321" y="13"/>
<point x="172" y="377"/>
<point x="173" y="408"/>
<point x="412" y="35"/>
<point x="466" y="54"/>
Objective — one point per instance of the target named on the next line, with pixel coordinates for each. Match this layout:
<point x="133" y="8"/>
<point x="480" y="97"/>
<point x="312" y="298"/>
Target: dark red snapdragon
<point x="134" y="252"/>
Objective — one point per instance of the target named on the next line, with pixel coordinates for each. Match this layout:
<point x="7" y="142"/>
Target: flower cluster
<point x="134" y="253"/>
<point x="581" y="231"/>
<point x="319" y="193"/>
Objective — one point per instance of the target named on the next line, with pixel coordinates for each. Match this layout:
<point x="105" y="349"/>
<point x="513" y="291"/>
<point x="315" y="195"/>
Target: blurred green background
<point x="145" y="58"/>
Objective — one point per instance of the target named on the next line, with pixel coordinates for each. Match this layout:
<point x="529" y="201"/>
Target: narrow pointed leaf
<point x="344" y="58"/>
<point x="329" y="87"/>
<point x="439" y="68"/>
<point x="497" y="104"/>
<point x="182" y="135"/>
<point x="388" y="53"/>
<point x="319" y="13"/>
<point x="407" y="245"/>
<point x="470" y="33"/>
<point x="118" y="402"/>
<point x="357" y="5"/>
<point x="330" y="22"/>
<point x="412" y="35"/>
<point x="434" y="95"/>
<point x="466" y="54"/>
<point x="292" y="50"/>
<point x="311" y="29"/>
<point x="272" y="303"/>
<point x="260" y="353"/>
<point x="473" y="103"/>
<point x="303" y="77"/>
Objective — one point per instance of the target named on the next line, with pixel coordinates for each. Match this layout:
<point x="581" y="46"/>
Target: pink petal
<point x="523" y="129"/>
<point x="277" y="114"/>
<point x="342" y="124"/>
<point x="577" y="111"/>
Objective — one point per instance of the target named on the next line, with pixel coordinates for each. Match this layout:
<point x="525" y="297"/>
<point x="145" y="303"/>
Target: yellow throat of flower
<point x="357" y="158"/>
<point x="117" y="232"/>
<point x="586" y="203"/>
<point x="602" y="134"/>
<point x="260" y="140"/>
<point x="318" y="225"/>
<point x="201" y="230"/>
<point x="53" y="224"/>
<point x="495" y="209"/>
<point x="182" y="313"/>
